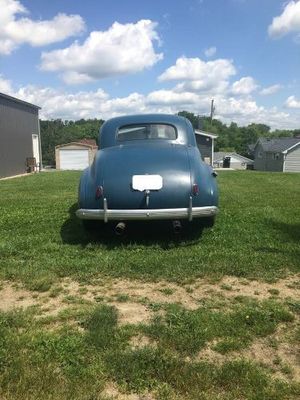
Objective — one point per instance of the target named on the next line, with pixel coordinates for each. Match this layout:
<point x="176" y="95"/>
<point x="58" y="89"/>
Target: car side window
<point x="146" y="131"/>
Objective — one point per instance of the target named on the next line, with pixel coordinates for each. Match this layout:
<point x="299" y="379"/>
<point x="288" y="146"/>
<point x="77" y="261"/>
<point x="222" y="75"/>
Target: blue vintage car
<point x="148" y="167"/>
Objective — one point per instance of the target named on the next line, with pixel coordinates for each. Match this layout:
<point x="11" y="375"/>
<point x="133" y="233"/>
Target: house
<point x="232" y="160"/>
<point x="76" y="155"/>
<point x="205" y="143"/>
<point x="278" y="154"/>
<point x="20" y="144"/>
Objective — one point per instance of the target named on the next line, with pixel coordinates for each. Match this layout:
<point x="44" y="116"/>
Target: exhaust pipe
<point x="120" y="228"/>
<point x="177" y="226"/>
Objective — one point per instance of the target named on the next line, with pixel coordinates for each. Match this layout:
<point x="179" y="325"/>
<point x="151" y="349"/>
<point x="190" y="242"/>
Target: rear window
<point x="146" y="131"/>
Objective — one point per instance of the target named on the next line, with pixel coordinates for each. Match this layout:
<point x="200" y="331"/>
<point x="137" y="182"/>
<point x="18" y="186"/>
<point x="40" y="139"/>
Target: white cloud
<point x="5" y="85"/>
<point x="98" y="104"/>
<point x="15" y="31"/>
<point x="60" y="104"/>
<point x="200" y="76"/>
<point x="270" y="90"/>
<point x="169" y="97"/>
<point x="122" y="49"/>
<point x="194" y="69"/>
<point x="244" y="86"/>
<point x="292" y="102"/>
<point x="211" y="51"/>
<point x="288" y="21"/>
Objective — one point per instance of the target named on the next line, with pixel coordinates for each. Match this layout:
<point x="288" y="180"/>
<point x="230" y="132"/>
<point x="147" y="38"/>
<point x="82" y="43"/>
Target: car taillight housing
<point x="195" y="189"/>
<point x="99" y="192"/>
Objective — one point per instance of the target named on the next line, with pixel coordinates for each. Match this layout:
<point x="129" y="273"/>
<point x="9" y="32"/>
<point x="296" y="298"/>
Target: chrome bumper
<point x="147" y="214"/>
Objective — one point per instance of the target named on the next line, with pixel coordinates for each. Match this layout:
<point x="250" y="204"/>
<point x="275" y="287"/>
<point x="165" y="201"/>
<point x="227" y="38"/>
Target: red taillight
<point x="99" y="192"/>
<point x="195" y="189"/>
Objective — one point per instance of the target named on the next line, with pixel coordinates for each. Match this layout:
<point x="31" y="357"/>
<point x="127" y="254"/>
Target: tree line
<point x="230" y="137"/>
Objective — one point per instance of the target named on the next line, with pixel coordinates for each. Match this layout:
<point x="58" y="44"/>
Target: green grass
<point x="187" y="331"/>
<point x="68" y="363"/>
<point x="74" y="354"/>
<point x="256" y="234"/>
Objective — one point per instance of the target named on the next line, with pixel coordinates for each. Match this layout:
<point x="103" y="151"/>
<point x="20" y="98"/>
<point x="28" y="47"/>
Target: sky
<point x="103" y="58"/>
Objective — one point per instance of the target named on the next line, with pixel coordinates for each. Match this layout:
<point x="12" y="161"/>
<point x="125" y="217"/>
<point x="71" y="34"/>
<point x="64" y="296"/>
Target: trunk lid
<point x="120" y="163"/>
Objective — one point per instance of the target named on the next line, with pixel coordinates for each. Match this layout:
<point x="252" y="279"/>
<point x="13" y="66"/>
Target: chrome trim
<point x="105" y="216"/>
<point x="190" y="214"/>
<point x="146" y="214"/>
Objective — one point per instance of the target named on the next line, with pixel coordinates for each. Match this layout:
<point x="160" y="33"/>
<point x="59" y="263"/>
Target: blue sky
<point x="97" y="59"/>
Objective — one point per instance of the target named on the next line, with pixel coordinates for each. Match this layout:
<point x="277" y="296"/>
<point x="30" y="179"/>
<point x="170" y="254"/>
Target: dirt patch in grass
<point x="274" y="352"/>
<point x="140" y="341"/>
<point x="283" y="288"/>
<point x="13" y="297"/>
<point x="133" y="297"/>
<point x="112" y="392"/>
<point x="132" y="313"/>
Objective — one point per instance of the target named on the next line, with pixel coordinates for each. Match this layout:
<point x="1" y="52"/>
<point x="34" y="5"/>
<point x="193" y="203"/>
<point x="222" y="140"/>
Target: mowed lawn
<point x="150" y="315"/>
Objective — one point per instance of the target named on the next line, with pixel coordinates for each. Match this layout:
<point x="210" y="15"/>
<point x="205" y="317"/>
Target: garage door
<point x="74" y="159"/>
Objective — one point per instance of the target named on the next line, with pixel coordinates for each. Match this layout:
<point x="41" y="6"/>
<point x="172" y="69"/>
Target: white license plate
<point x="147" y="182"/>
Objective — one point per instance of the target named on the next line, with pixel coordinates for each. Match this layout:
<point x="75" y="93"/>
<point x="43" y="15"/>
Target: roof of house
<point x="15" y="100"/>
<point x="208" y="134"/>
<point x="278" y="145"/>
<point x="81" y="142"/>
<point x="250" y="148"/>
<point x="91" y="142"/>
<point x="220" y="155"/>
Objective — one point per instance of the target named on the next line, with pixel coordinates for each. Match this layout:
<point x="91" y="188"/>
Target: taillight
<point x="195" y="189"/>
<point x="99" y="192"/>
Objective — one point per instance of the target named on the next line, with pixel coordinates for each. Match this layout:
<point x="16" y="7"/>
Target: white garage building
<point x="75" y="155"/>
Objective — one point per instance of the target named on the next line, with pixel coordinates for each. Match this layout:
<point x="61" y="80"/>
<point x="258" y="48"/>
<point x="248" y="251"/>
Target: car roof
<point x="184" y="128"/>
<point x="146" y="118"/>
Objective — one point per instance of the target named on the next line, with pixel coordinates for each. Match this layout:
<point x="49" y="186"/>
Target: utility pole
<point x="212" y="110"/>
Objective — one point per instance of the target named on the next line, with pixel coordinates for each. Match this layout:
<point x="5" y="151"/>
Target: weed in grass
<point x="294" y="305"/>
<point x="122" y="298"/>
<point x="167" y="291"/>
<point x="189" y="290"/>
<point x="99" y="299"/>
<point x="188" y="331"/>
<point x="155" y="306"/>
<point x="225" y="286"/>
<point x="82" y="290"/>
<point x="226" y="345"/>
<point x="40" y="284"/>
<point x="73" y="299"/>
<point x="55" y="291"/>
<point x="283" y="367"/>
<point x="274" y="292"/>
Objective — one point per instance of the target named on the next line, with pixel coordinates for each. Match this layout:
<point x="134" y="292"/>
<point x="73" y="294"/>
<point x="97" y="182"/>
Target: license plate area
<point x="147" y="182"/>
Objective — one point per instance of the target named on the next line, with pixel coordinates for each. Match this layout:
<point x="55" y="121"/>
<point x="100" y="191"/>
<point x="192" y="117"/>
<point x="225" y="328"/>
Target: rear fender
<point x="90" y="179"/>
<point x="203" y="176"/>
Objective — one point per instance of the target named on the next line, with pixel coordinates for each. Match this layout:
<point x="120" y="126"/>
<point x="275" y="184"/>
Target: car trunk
<point x="121" y="163"/>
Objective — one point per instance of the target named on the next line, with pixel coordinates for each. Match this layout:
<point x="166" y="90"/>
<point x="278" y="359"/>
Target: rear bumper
<point x="147" y="214"/>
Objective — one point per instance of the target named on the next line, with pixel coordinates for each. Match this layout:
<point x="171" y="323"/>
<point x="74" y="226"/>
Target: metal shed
<point x="75" y="155"/>
<point x="19" y="136"/>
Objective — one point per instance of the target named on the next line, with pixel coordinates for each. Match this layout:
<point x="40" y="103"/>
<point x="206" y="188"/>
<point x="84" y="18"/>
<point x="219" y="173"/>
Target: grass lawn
<point x="94" y="316"/>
